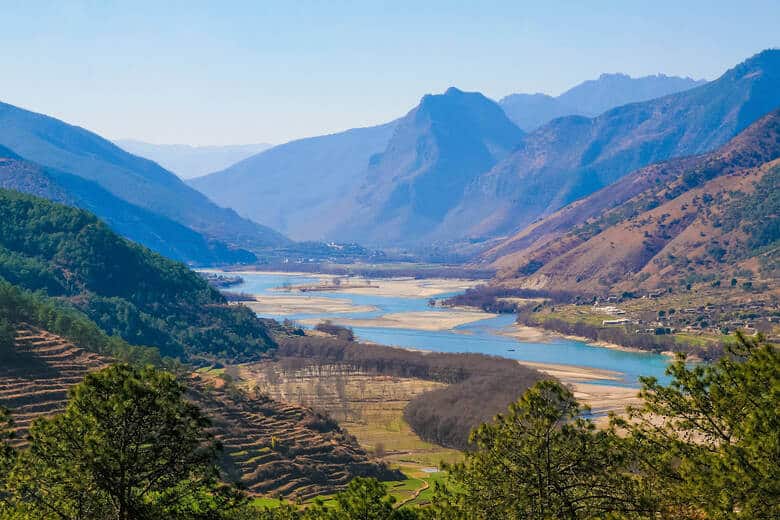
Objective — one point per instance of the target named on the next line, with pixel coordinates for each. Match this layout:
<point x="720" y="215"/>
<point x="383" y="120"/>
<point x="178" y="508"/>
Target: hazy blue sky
<point x="238" y="72"/>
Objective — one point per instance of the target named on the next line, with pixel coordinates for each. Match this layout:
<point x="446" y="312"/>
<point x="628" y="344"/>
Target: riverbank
<point x="423" y="320"/>
<point x="601" y="398"/>
<point x="527" y="333"/>
<point x="387" y="287"/>
<point x="294" y="305"/>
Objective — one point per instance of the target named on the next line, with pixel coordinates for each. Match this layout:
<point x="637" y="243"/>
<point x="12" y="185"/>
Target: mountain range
<point x="146" y="202"/>
<point x="153" y="230"/>
<point x="698" y="218"/>
<point x="189" y="161"/>
<point x="299" y="187"/>
<point x="591" y="98"/>
<point x="572" y="157"/>
<point x="455" y="169"/>
<point x="437" y="150"/>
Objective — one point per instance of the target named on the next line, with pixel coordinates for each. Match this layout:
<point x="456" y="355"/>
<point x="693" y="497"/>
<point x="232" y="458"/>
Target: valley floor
<point x="368" y="406"/>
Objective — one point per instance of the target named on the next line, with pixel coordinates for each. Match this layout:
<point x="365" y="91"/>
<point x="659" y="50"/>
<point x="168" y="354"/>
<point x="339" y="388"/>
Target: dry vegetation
<point x="665" y="225"/>
<point x="368" y="405"/>
<point x="478" y="386"/>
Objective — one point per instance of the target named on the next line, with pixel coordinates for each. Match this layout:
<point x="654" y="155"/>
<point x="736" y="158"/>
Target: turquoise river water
<point x="481" y="336"/>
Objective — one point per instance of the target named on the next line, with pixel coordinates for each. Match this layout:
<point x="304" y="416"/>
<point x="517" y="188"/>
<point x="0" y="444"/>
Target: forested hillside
<point x="126" y="289"/>
<point x="55" y="144"/>
<point x="153" y="230"/>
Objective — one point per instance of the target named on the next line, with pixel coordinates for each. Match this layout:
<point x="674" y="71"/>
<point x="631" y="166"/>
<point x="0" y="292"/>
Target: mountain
<point x="63" y="147"/>
<point x="572" y="157"/>
<point x="156" y="232"/>
<point x="127" y="290"/>
<point x="695" y="218"/>
<point x="591" y="98"/>
<point x="437" y="149"/>
<point x="594" y="97"/>
<point x="302" y="184"/>
<point x="188" y="161"/>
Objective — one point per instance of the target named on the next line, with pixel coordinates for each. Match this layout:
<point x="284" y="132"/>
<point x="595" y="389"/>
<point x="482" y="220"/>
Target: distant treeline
<point x="412" y="271"/>
<point x="490" y="298"/>
<point x="479" y="386"/>
<point x="620" y="336"/>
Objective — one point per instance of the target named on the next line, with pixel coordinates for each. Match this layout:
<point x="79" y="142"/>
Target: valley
<point x="426" y="302"/>
<point x="439" y="328"/>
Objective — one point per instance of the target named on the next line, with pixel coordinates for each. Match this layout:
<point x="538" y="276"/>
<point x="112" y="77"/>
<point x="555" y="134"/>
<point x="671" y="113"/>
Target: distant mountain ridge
<point x="299" y="187"/>
<point x="572" y="157"/>
<point x="463" y="173"/>
<point x="701" y="217"/>
<point x="591" y="98"/>
<point x="437" y="149"/>
<point x="155" y="231"/>
<point x="138" y="181"/>
<point x="188" y="161"/>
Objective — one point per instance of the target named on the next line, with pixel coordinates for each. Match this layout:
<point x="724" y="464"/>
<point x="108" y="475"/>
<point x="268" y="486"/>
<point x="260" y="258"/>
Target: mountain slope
<point x="591" y="98"/>
<point x="298" y="187"/>
<point x="57" y="145"/>
<point x="156" y="232"/>
<point x="573" y="157"/>
<point x="188" y="161"/>
<point x="701" y="217"/>
<point x="126" y="289"/>
<point x="269" y="446"/>
<point x="437" y="149"/>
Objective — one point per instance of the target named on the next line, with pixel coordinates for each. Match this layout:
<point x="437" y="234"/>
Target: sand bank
<point x="540" y="335"/>
<point x="573" y="373"/>
<point x="423" y="320"/>
<point x="399" y="287"/>
<point x="286" y="305"/>
<point x="601" y="398"/>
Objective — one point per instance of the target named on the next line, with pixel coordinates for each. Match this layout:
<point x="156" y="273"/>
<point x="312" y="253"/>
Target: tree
<point x="712" y="437"/>
<point x="127" y="446"/>
<point x="542" y="460"/>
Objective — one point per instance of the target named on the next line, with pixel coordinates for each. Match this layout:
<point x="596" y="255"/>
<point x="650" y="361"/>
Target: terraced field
<point x="283" y="450"/>
<point x="274" y="449"/>
<point x="36" y="380"/>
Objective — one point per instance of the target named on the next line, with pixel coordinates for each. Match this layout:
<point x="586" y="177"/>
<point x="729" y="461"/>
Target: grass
<point x="416" y="490"/>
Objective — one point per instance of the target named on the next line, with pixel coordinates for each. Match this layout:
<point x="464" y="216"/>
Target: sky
<point x="234" y="72"/>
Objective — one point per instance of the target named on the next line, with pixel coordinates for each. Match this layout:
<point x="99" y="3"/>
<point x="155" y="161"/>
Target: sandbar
<point x="299" y="304"/>
<point x="399" y="287"/>
<point x="422" y="320"/>
<point x="601" y="398"/>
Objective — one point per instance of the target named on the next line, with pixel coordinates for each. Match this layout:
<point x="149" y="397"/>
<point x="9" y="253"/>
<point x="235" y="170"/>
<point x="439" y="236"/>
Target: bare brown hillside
<point x="665" y="223"/>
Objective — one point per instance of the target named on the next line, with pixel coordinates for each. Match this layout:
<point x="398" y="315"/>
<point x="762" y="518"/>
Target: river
<point x="483" y="336"/>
